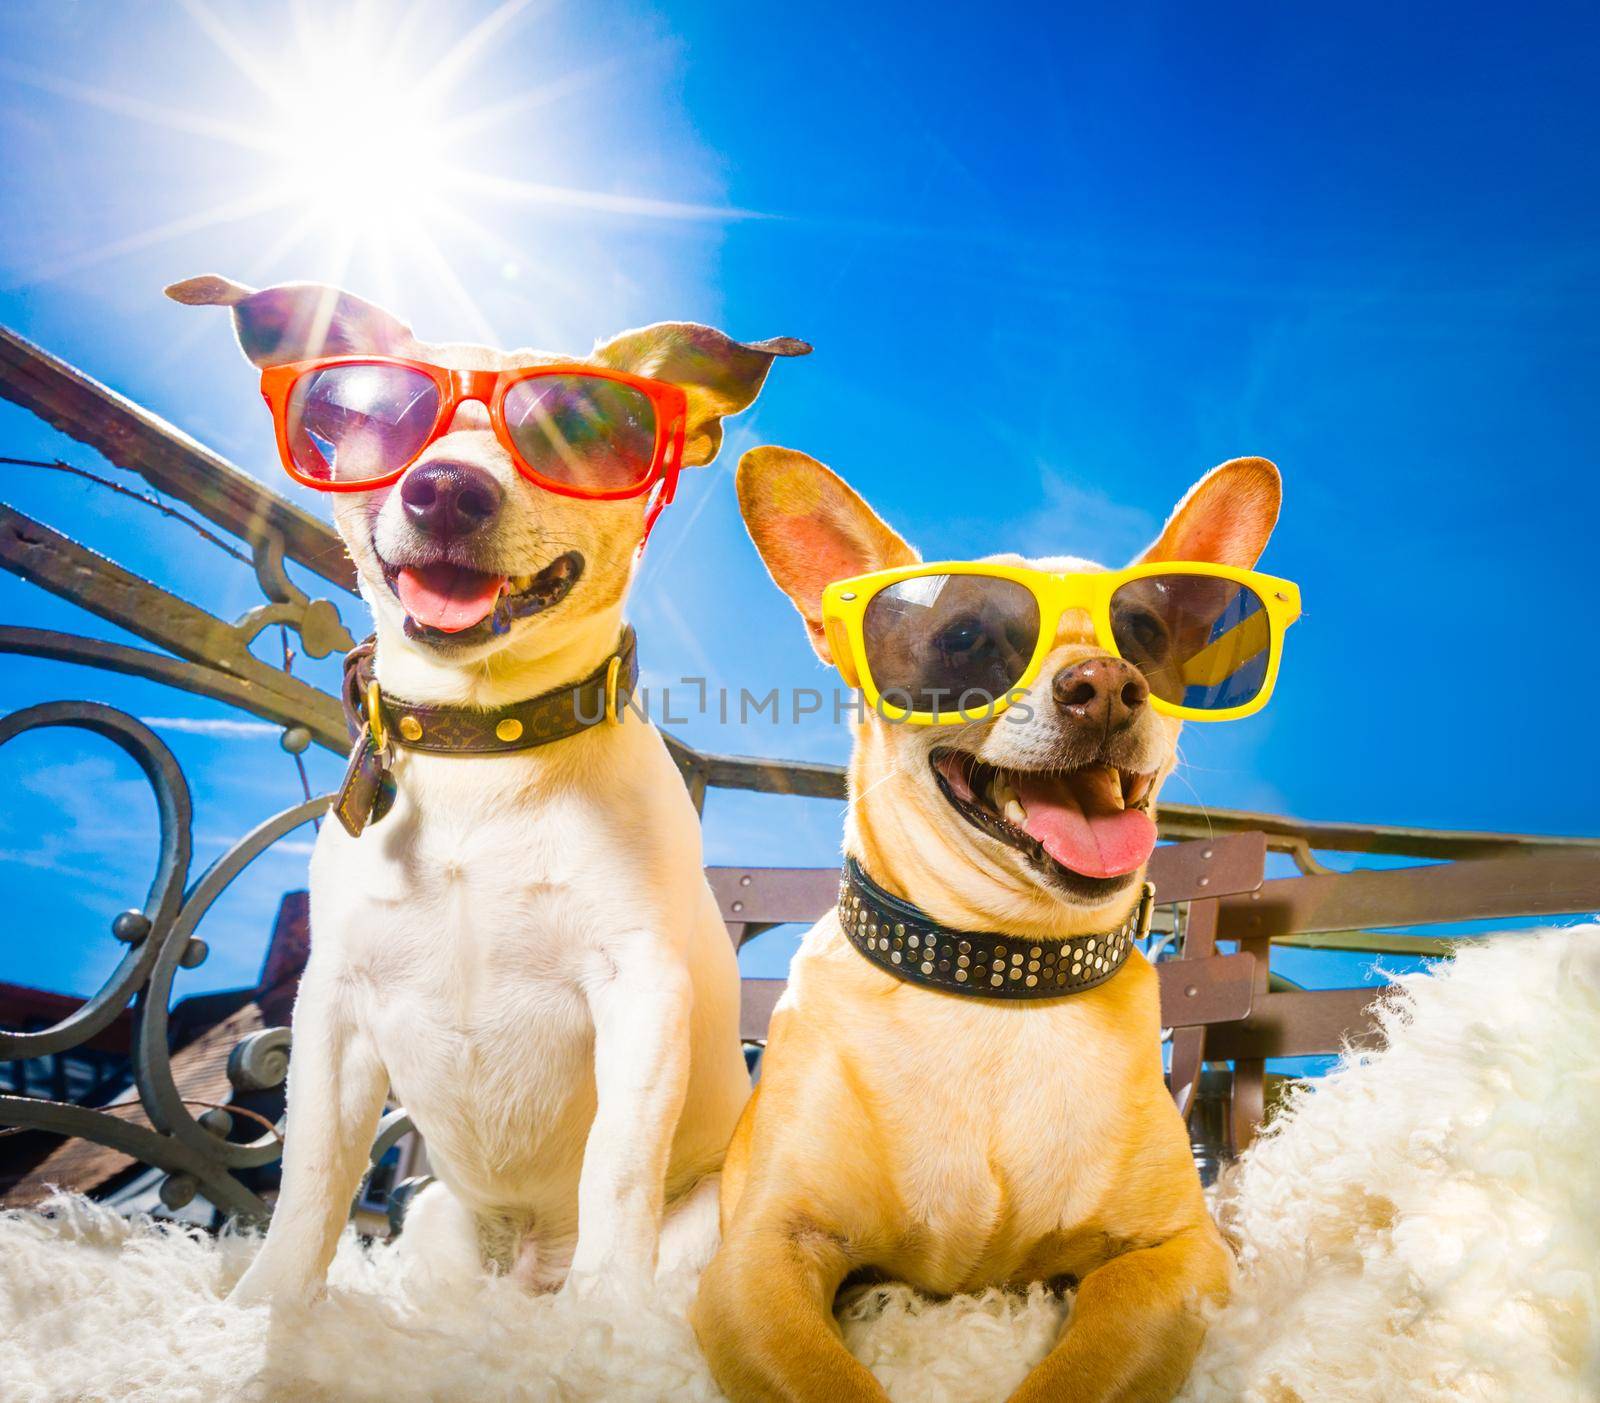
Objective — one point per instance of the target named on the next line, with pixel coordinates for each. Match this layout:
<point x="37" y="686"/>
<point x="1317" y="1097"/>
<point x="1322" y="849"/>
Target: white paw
<point x="263" y="1286"/>
<point x="613" y="1284"/>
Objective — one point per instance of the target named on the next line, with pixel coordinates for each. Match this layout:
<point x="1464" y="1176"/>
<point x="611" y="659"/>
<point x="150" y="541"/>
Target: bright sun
<point x="364" y="130"/>
<point x="358" y="153"/>
<point x="369" y="139"/>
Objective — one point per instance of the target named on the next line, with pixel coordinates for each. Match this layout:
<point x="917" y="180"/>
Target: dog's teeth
<point x="1114" y="792"/>
<point x="1000" y="791"/>
<point x="1014" y="813"/>
<point x="1099" y="785"/>
<point x="1136" y="787"/>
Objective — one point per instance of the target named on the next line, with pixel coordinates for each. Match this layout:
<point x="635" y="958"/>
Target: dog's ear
<point x="297" y="321"/>
<point x="1226" y="517"/>
<point x="811" y="529"/>
<point x="719" y="375"/>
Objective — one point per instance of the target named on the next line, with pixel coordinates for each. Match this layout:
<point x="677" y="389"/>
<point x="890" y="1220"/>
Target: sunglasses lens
<point x="949" y="643"/>
<point x="1201" y="641"/>
<point x="352" y="423"/>
<point x="582" y="431"/>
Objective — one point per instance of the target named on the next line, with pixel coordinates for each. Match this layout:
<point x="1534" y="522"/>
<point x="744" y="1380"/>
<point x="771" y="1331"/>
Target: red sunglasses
<point x="354" y="423"/>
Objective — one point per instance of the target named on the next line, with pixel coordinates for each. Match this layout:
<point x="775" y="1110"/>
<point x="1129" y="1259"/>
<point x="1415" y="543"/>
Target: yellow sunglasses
<point x="958" y="641"/>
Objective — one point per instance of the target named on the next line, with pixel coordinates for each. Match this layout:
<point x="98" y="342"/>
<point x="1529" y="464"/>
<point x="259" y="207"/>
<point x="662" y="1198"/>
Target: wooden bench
<point x="1224" y="1005"/>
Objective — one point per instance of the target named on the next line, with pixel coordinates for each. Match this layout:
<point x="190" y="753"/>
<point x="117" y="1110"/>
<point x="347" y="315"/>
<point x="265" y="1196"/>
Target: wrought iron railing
<point x="201" y="653"/>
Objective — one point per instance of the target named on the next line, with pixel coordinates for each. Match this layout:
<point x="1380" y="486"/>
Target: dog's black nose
<point x="1103" y="694"/>
<point x="449" y="500"/>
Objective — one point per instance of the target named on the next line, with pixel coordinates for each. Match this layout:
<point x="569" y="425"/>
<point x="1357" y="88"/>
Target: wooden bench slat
<point x="756" y="1001"/>
<point x="1207" y="867"/>
<point x="1219" y="989"/>
<point x="1537" y="884"/>
<point x="773" y="895"/>
<point x="1309" y="1023"/>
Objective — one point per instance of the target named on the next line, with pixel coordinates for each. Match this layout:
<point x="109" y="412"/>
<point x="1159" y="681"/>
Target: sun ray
<point x="459" y="128"/>
<point x="230" y="213"/>
<point x="490" y="244"/>
<point x="599" y="201"/>
<point x="218" y="33"/>
<point x="378" y="274"/>
<point x="480" y="324"/>
<point x="298" y="231"/>
<point x="501" y="251"/>
<point x="348" y="113"/>
<point x="443" y="74"/>
<point x="343" y="256"/>
<point x="196" y="123"/>
<point x="401" y="31"/>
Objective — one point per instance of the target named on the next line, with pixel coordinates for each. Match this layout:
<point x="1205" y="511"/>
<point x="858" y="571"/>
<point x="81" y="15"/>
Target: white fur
<point x="525" y="949"/>
<point x="1479" y="1125"/>
<point x="1425" y="1226"/>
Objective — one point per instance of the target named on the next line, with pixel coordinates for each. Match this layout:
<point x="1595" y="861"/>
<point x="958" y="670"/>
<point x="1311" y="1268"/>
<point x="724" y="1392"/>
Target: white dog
<point x="523" y="946"/>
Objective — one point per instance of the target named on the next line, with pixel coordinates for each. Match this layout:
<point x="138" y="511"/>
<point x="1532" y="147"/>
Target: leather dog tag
<point x="367" y="793"/>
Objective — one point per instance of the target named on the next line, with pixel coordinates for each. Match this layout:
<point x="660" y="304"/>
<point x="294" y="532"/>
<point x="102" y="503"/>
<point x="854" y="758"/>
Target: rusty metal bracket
<point x="164" y="456"/>
<point x="207" y="644"/>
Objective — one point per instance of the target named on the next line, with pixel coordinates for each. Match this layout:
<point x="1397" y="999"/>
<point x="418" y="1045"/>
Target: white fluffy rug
<point x="1424" y="1225"/>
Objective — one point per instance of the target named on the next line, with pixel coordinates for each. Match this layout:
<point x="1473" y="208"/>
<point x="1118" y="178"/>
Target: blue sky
<point x="1055" y="264"/>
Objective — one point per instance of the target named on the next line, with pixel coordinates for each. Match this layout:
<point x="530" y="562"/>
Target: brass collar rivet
<point x="510" y="729"/>
<point x="613" y="671"/>
<point x="410" y="728"/>
<point x="375" y="728"/>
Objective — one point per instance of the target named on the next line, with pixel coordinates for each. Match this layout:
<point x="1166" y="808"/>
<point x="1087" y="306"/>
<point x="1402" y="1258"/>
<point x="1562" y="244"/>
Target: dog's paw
<point x="614" y="1287"/>
<point x="261" y="1286"/>
<point x="250" y="1290"/>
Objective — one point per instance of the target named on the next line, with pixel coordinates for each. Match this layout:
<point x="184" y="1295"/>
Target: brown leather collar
<point x="379" y="722"/>
<point x="468" y="730"/>
<point x="904" y="941"/>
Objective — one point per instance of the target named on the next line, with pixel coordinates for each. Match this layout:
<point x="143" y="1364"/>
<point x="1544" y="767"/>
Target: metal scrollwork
<point x="315" y="620"/>
<point x="175" y="812"/>
<point x="158" y="1091"/>
<point x="161" y="936"/>
<point x="260" y="1060"/>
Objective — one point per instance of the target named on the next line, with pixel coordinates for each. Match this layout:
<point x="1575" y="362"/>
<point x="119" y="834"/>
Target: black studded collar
<point x="904" y="941"/>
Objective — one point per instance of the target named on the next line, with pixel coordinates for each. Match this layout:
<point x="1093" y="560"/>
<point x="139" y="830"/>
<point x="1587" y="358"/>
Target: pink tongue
<point x="1103" y="843"/>
<point x="448" y="597"/>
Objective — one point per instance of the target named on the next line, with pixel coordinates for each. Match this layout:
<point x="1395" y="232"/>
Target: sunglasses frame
<point x="845" y="602"/>
<point x="489" y="388"/>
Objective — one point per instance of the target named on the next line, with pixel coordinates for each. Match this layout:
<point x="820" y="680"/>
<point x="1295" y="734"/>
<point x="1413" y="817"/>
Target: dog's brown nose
<point x="1103" y="694"/>
<point x="449" y="500"/>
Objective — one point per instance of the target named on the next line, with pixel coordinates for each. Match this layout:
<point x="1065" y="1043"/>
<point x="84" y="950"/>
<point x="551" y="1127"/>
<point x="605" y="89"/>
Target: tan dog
<point x="956" y="1143"/>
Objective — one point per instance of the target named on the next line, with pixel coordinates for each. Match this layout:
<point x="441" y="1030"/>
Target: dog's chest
<point x="994" y="1106"/>
<point x="472" y="880"/>
<point x="997" y="1125"/>
<point x="471" y="919"/>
